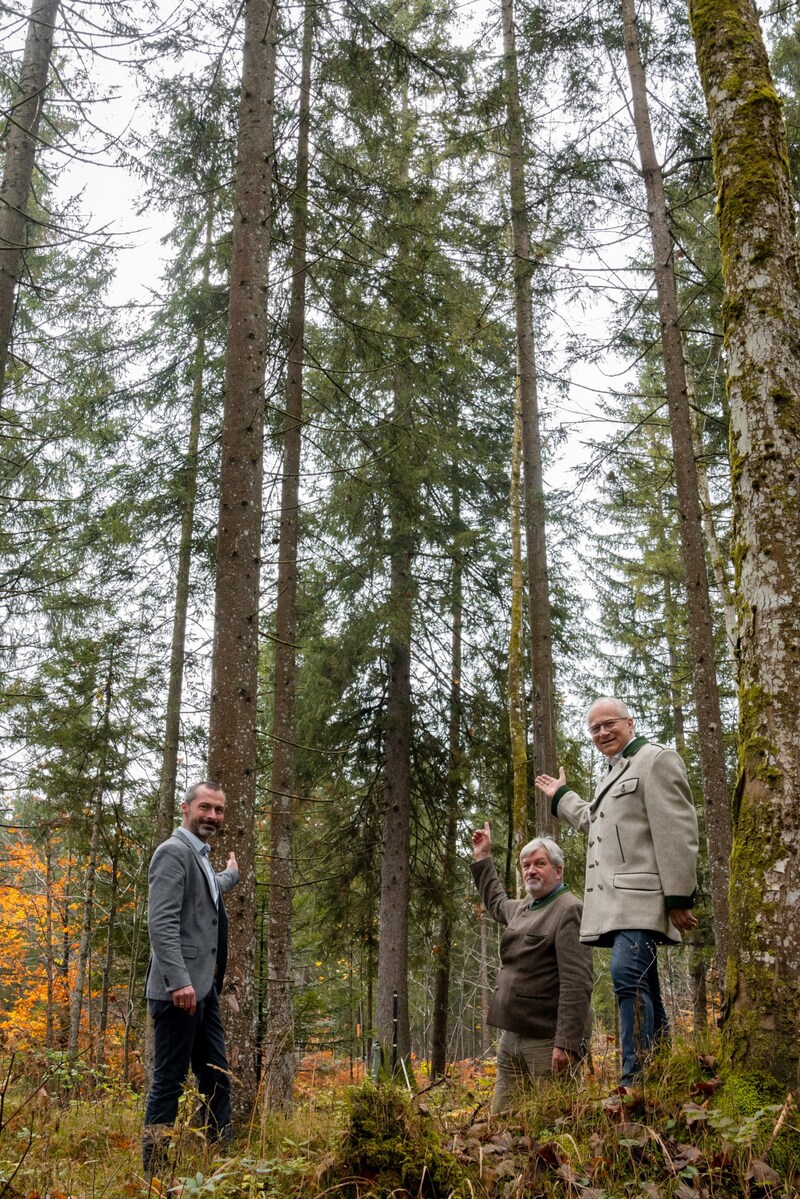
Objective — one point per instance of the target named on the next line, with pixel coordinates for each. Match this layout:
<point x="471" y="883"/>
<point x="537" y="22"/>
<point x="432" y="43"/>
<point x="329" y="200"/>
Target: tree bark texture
<point x="21" y="142"/>
<point x="542" y="674"/>
<point x="234" y="670"/>
<point x="701" y="625"/>
<point x="761" y="317"/>
<point x="280" y="1014"/>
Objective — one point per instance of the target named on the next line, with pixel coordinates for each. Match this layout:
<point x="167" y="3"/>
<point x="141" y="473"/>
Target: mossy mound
<point x="393" y="1147"/>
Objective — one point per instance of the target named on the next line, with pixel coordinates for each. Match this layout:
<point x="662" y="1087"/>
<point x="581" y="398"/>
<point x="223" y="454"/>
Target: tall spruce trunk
<point x="701" y="625"/>
<point x="395" y="894"/>
<point x="50" y="965"/>
<point x="396" y="840"/>
<point x="232" y="751"/>
<point x="516" y="659"/>
<point x="90" y="876"/>
<point x="21" y="141"/>
<point x="761" y="318"/>
<point x="280" y="1016"/>
<point x="444" y="956"/>
<point x="719" y="559"/>
<point x="172" y="722"/>
<point x="540" y="626"/>
<point x="108" y="957"/>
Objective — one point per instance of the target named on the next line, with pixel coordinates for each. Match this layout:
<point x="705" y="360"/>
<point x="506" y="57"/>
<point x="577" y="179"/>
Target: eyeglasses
<point x="594" y="729"/>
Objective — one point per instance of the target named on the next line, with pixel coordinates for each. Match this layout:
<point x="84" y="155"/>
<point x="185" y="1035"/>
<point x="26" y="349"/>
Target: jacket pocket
<point x="641" y="881"/>
<point x="624" y="788"/>
<point x="188" y="951"/>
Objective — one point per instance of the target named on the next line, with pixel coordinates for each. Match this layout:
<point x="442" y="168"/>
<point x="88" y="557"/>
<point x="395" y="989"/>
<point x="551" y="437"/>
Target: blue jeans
<point x="642" y="1019"/>
<point x="181" y="1041"/>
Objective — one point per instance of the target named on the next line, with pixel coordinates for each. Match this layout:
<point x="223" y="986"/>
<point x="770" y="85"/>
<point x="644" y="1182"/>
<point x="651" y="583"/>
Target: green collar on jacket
<point x="634" y="746"/>
<point x="535" y="904"/>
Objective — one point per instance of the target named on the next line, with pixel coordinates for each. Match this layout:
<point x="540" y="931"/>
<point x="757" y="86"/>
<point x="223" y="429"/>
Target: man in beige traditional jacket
<point x="640" y="867"/>
<point x="544" y="984"/>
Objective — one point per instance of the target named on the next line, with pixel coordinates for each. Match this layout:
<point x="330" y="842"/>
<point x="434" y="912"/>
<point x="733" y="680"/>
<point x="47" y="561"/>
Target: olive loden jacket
<point x="544" y="984"/>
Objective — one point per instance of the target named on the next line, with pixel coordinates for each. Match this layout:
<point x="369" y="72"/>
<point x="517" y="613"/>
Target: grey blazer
<point x="188" y="932"/>
<point x="642" y="843"/>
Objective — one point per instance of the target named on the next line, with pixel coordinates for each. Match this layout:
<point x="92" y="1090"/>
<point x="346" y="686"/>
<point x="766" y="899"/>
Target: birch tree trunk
<point x="761" y="317"/>
<point x="280" y="1016"/>
<point x="21" y="142"/>
<point x="543" y="687"/>
<point x="701" y="626"/>
<point x="234" y="672"/>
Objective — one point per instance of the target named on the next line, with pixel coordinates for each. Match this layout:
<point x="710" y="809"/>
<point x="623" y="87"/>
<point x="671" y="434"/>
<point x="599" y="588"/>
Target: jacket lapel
<point x="608" y="780"/>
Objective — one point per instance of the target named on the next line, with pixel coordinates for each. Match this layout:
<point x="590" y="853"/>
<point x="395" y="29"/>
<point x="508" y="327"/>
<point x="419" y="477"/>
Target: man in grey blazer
<point x="188" y="940"/>
<point x="640" y="867"/>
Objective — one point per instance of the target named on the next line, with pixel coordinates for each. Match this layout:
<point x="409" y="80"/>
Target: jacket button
<point x="213" y="922"/>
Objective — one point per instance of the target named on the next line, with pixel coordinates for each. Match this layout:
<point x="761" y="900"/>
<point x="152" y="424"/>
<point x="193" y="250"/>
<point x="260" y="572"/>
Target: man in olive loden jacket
<point x="544" y="984"/>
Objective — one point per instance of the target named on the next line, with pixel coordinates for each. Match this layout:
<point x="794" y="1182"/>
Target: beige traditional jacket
<point x="642" y="843"/>
<point x="544" y="984"/>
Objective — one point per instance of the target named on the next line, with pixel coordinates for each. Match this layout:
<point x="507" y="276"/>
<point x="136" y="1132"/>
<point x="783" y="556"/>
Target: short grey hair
<point x="191" y="792"/>
<point x="550" y="847"/>
<point x="622" y="708"/>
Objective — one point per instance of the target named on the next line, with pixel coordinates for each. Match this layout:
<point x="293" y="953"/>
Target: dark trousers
<point x="181" y="1041"/>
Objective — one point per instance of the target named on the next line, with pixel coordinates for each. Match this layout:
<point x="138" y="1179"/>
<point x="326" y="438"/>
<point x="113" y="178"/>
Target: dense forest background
<point x="376" y="479"/>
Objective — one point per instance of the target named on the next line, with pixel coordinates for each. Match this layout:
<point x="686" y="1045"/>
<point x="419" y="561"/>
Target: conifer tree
<point x="232" y="751"/>
<point x="22" y="128"/>
<point x="761" y="316"/>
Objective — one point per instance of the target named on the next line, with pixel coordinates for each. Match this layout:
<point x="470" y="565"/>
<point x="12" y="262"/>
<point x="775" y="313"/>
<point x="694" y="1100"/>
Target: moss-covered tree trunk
<point x="761" y="314"/>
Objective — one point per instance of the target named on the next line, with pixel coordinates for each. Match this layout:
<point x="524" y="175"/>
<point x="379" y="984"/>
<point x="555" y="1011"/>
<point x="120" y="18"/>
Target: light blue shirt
<point x="202" y="850"/>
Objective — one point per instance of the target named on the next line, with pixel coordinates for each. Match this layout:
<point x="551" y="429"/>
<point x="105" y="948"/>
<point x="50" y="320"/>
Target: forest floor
<point x="690" y="1135"/>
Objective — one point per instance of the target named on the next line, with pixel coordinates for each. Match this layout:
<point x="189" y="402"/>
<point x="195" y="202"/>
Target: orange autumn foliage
<point x="39" y="928"/>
